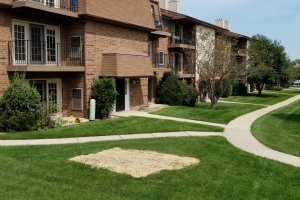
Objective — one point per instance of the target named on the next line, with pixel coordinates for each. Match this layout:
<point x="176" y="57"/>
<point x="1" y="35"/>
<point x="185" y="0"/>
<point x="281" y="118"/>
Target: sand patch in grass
<point x="137" y="163"/>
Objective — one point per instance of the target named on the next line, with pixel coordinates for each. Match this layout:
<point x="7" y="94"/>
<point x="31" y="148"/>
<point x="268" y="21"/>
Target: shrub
<point x="277" y="88"/>
<point x="189" y="95"/>
<point x="226" y="87"/>
<point x="251" y="87"/>
<point x="269" y="87"/>
<point x="170" y="91"/>
<point x="47" y="116"/>
<point x="105" y="94"/>
<point x="19" y="106"/>
<point x="238" y="88"/>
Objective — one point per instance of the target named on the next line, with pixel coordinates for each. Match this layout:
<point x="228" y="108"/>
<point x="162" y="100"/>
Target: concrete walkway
<point x="104" y="138"/>
<point x="145" y="114"/>
<point x="238" y="133"/>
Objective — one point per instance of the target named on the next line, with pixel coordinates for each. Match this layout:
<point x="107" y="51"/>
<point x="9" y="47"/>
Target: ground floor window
<point x="50" y="91"/>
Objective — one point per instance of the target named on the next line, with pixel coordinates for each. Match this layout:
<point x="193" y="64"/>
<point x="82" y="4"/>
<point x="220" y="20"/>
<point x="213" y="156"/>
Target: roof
<point x="181" y="18"/>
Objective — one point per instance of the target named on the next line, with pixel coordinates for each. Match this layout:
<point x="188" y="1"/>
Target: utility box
<point x="92" y="109"/>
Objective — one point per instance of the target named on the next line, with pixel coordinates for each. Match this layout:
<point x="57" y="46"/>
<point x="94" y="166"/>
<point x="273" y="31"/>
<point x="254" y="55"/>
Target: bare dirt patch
<point x="137" y="163"/>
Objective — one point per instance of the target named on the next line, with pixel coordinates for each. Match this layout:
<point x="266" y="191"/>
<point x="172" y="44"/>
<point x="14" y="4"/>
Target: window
<point x="77" y="96"/>
<point x="75" y="47"/>
<point x="161" y="58"/>
<point x="35" y="43"/>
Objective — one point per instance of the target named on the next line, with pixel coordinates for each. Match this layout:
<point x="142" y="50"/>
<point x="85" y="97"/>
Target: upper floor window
<point x="35" y="43"/>
<point x="161" y="58"/>
<point x="75" y="47"/>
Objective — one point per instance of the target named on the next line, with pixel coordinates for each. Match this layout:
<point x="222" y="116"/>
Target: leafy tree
<point x="105" y="94"/>
<point x="215" y="58"/>
<point x="20" y="106"/>
<point x="267" y="63"/>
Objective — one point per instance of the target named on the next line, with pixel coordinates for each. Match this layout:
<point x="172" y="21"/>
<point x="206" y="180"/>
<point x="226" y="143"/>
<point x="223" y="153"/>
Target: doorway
<point x="120" y="87"/>
<point x="37" y="46"/>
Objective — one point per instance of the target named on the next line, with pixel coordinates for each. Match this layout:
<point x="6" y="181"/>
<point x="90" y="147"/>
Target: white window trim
<point x="59" y="90"/>
<point x="27" y="34"/>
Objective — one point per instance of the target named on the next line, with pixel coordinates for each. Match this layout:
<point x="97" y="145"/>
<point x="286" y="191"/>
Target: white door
<point x="54" y="94"/>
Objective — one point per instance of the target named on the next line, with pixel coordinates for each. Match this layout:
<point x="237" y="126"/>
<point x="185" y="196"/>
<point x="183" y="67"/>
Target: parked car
<point x="295" y="82"/>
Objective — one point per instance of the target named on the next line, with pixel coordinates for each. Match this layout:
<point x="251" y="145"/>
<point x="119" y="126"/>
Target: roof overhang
<point x="111" y="21"/>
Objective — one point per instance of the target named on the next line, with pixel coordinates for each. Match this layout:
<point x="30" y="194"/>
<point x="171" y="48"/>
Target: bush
<point x="238" y="88"/>
<point x="269" y="87"/>
<point x="226" y="87"/>
<point x="105" y="94"/>
<point x="189" y="95"/>
<point x="277" y="88"/>
<point x="170" y="90"/>
<point x="47" y="116"/>
<point x="19" y="106"/>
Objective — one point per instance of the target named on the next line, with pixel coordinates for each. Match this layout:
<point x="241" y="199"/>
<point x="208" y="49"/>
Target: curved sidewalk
<point x="238" y="133"/>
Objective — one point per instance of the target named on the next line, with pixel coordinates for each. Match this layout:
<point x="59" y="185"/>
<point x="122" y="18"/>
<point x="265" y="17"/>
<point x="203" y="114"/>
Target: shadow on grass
<point x="263" y="95"/>
<point x="287" y="117"/>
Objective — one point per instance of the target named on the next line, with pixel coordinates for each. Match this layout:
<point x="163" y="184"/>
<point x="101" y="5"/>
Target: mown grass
<point x="280" y="129"/>
<point x="126" y="125"/>
<point x="224" y="172"/>
<point x="290" y="91"/>
<point x="223" y="114"/>
<point x="266" y="98"/>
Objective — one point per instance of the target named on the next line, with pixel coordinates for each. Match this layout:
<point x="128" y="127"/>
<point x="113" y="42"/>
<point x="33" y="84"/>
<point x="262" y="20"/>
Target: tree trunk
<point x="213" y="102"/>
<point x="260" y="87"/>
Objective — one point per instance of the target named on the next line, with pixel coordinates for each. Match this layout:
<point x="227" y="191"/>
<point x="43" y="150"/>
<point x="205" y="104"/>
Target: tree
<point x="214" y="58"/>
<point x="105" y="94"/>
<point x="267" y="63"/>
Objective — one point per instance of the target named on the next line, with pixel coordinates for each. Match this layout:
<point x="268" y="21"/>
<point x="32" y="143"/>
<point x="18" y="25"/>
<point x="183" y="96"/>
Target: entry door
<point x="37" y="44"/>
<point x="177" y="62"/>
<point x="41" y="88"/>
<point x="51" y="45"/>
<point x="120" y="87"/>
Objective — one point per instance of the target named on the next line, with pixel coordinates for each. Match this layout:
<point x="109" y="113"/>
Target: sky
<point x="276" y="19"/>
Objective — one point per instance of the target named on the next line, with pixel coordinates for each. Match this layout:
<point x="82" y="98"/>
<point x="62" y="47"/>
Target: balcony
<point x="183" y="70"/>
<point x="159" y="60"/>
<point x="28" y="55"/>
<point x="182" y="40"/>
<point x="159" y="26"/>
<point x="61" y="7"/>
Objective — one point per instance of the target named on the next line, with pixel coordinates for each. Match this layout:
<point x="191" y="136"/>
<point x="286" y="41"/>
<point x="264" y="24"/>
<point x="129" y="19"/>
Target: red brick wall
<point x="99" y="37"/>
<point x="5" y="36"/>
<point x="138" y="93"/>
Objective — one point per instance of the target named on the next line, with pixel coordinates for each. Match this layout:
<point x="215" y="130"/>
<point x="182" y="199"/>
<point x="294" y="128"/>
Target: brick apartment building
<point x="63" y="45"/>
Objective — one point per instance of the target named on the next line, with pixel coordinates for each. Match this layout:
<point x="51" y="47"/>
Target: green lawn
<point x="280" y="129"/>
<point x="267" y="98"/>
<point x="290" y="91"/>
<point x="126" y="125"/>
<point x="224" y="172"/>
<point x="223" y="114"/>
